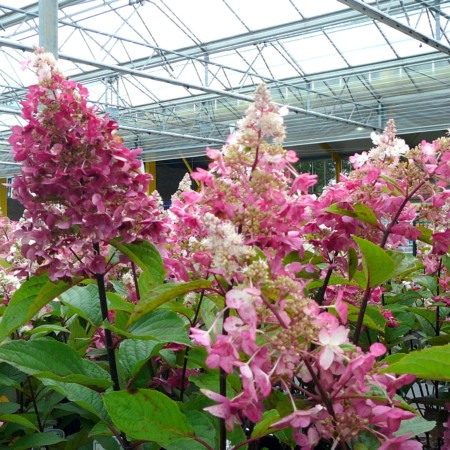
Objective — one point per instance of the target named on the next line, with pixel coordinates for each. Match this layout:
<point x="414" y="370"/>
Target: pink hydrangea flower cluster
<point x="78" y="183"/>
<point x="398" y="189"/>
<point x="401" y="186"/>
<point x="253" y="210"/>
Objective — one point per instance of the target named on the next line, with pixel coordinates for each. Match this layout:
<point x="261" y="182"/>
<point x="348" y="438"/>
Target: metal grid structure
<point x="177" y="75"/>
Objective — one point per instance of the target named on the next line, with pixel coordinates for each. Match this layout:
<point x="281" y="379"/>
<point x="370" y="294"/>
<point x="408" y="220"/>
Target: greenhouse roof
<point x="176" y="75"/>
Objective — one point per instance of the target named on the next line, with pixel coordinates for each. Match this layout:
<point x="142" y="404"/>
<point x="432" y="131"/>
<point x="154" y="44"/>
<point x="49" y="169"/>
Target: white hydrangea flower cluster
<point x="388" y="145"/>
<point x="184" y="186"/>
<point x="226" y="246"/>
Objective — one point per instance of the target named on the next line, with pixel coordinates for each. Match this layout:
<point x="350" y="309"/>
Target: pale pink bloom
<point x="223" y="354"/>
<point x="244" y="302"/>
<point x="377" y="349"/>
<point x="201" y="337"/>
<point x="300" y="418"/>
<point x="307" y="441"/>
<point x="331" y="342"/>
<point x="401" y="443"/>
<point x="224" y="409"/>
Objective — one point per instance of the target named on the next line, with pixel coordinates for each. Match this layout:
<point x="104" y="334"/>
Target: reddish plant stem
<point x="108" y="335"/>
<point x="275" y="312"/>
<point x="324" y="397"/>
<point x="186" y="352"/>
<point x="201" y="441"/>
<point x="248" y="441"/>
<point x="135" y="280"/>
<point x="387" y="230"/>
<point x="255" y="162"/>
<point x="321" y="294"/>
<point x="386" y="234"/>
<point x="223" y="392"/>
<point x="361" y="314"/>
<point x="33" y="399"/>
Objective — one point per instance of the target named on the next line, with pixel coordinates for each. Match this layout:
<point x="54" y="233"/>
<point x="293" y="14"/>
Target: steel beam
<point x="48" y="26"/>
<point x="170" y="134"/>
<point x="175" y="82"/>
<point x="16" y="18"/>
<point x="380" y="16"/>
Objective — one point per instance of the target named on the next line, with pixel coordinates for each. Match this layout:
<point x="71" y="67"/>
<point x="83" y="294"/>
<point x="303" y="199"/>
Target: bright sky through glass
<point x="185" y="25"/>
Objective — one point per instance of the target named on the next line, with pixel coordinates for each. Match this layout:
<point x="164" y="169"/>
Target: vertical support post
<point x="206" y="69"/>
<point x="3" y="198"/>
<point x="48" y="26"/>
<point x="336" y="157"/>
<point x="150" y="167"/>
<point x="381" y="115"/>
<point x="337" y="165"/>
<point x="190" y="170"/>
<point x="438" y="20"/>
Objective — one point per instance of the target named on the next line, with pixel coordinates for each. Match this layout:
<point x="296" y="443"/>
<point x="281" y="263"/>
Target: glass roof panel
<point x="270" y="63"/>
<point x="403" y="45"/>
<point x="276" y="50"/>
<point x="318" y="8"/>
<point x="362" y="44"/>
<point x="208" y="21"/>
<point x="258" y="14"/>
<point x="315" y="54"/>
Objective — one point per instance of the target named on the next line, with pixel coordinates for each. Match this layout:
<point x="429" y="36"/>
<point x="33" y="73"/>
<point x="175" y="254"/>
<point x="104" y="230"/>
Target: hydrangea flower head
<point x="78" y="183"/>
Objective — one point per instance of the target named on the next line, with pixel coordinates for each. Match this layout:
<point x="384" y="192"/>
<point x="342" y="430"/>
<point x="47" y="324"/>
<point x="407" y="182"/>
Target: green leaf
<point x="178" y="307"/>
<point x="148" y="415"/>
<point x="81" y="395"/>
<point x="446" y="262"/>
<point x="48" y="358"/>
<point x="360" y="212"/>
<point x="8" y="407"/>
<point x="197" y="357"/>
<point x="29" y="299"/>
<point x="426" y="235"/>
<point x="405" y="263"/>
<point x="352" y="262"/>
<point x="164" y="293"/>
<point x="117" y="303"/>
<point x="146" y="256"/>
<point x="428" y="282"/>
<point x="165" y="326"/>
<point x="373" y="319"/>
<point x="20" y="420"/>
<point x="263" y="427"/>
<point x="204" y="429"/>
<point x="393" y="358"/>
<point x="433" y="363"/>
<point x="100" y="429"/>
<point x="416" y="425"/>
<point x="377" y="264"/>
<point x="47" y="328"/>
<point x="4" y="263"/>
<point x="37" y="440"/>
<point x="134" y="353"/>
<point x="85" y="302"/>
<point x="440" y="340"/>
<point x="365" y="441"/>
<point x="332" y="282"/>
<point x="396" y="188"/>
<point x="6" y="381"/>
<point x="211" y="380"/>
<point x="145" y="283"/>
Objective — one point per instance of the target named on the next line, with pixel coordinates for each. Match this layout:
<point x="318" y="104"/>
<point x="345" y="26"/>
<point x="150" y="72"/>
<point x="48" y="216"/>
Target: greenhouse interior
<point x="225" y="224"/>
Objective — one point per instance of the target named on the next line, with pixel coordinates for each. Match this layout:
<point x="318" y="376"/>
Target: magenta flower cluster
<point x="253" y="230"/>
<point x="78" y="182"/>
<point x="251" y="215"/>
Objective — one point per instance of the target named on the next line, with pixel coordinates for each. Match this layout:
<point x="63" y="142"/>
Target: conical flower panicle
<point x="78" y="182"/>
